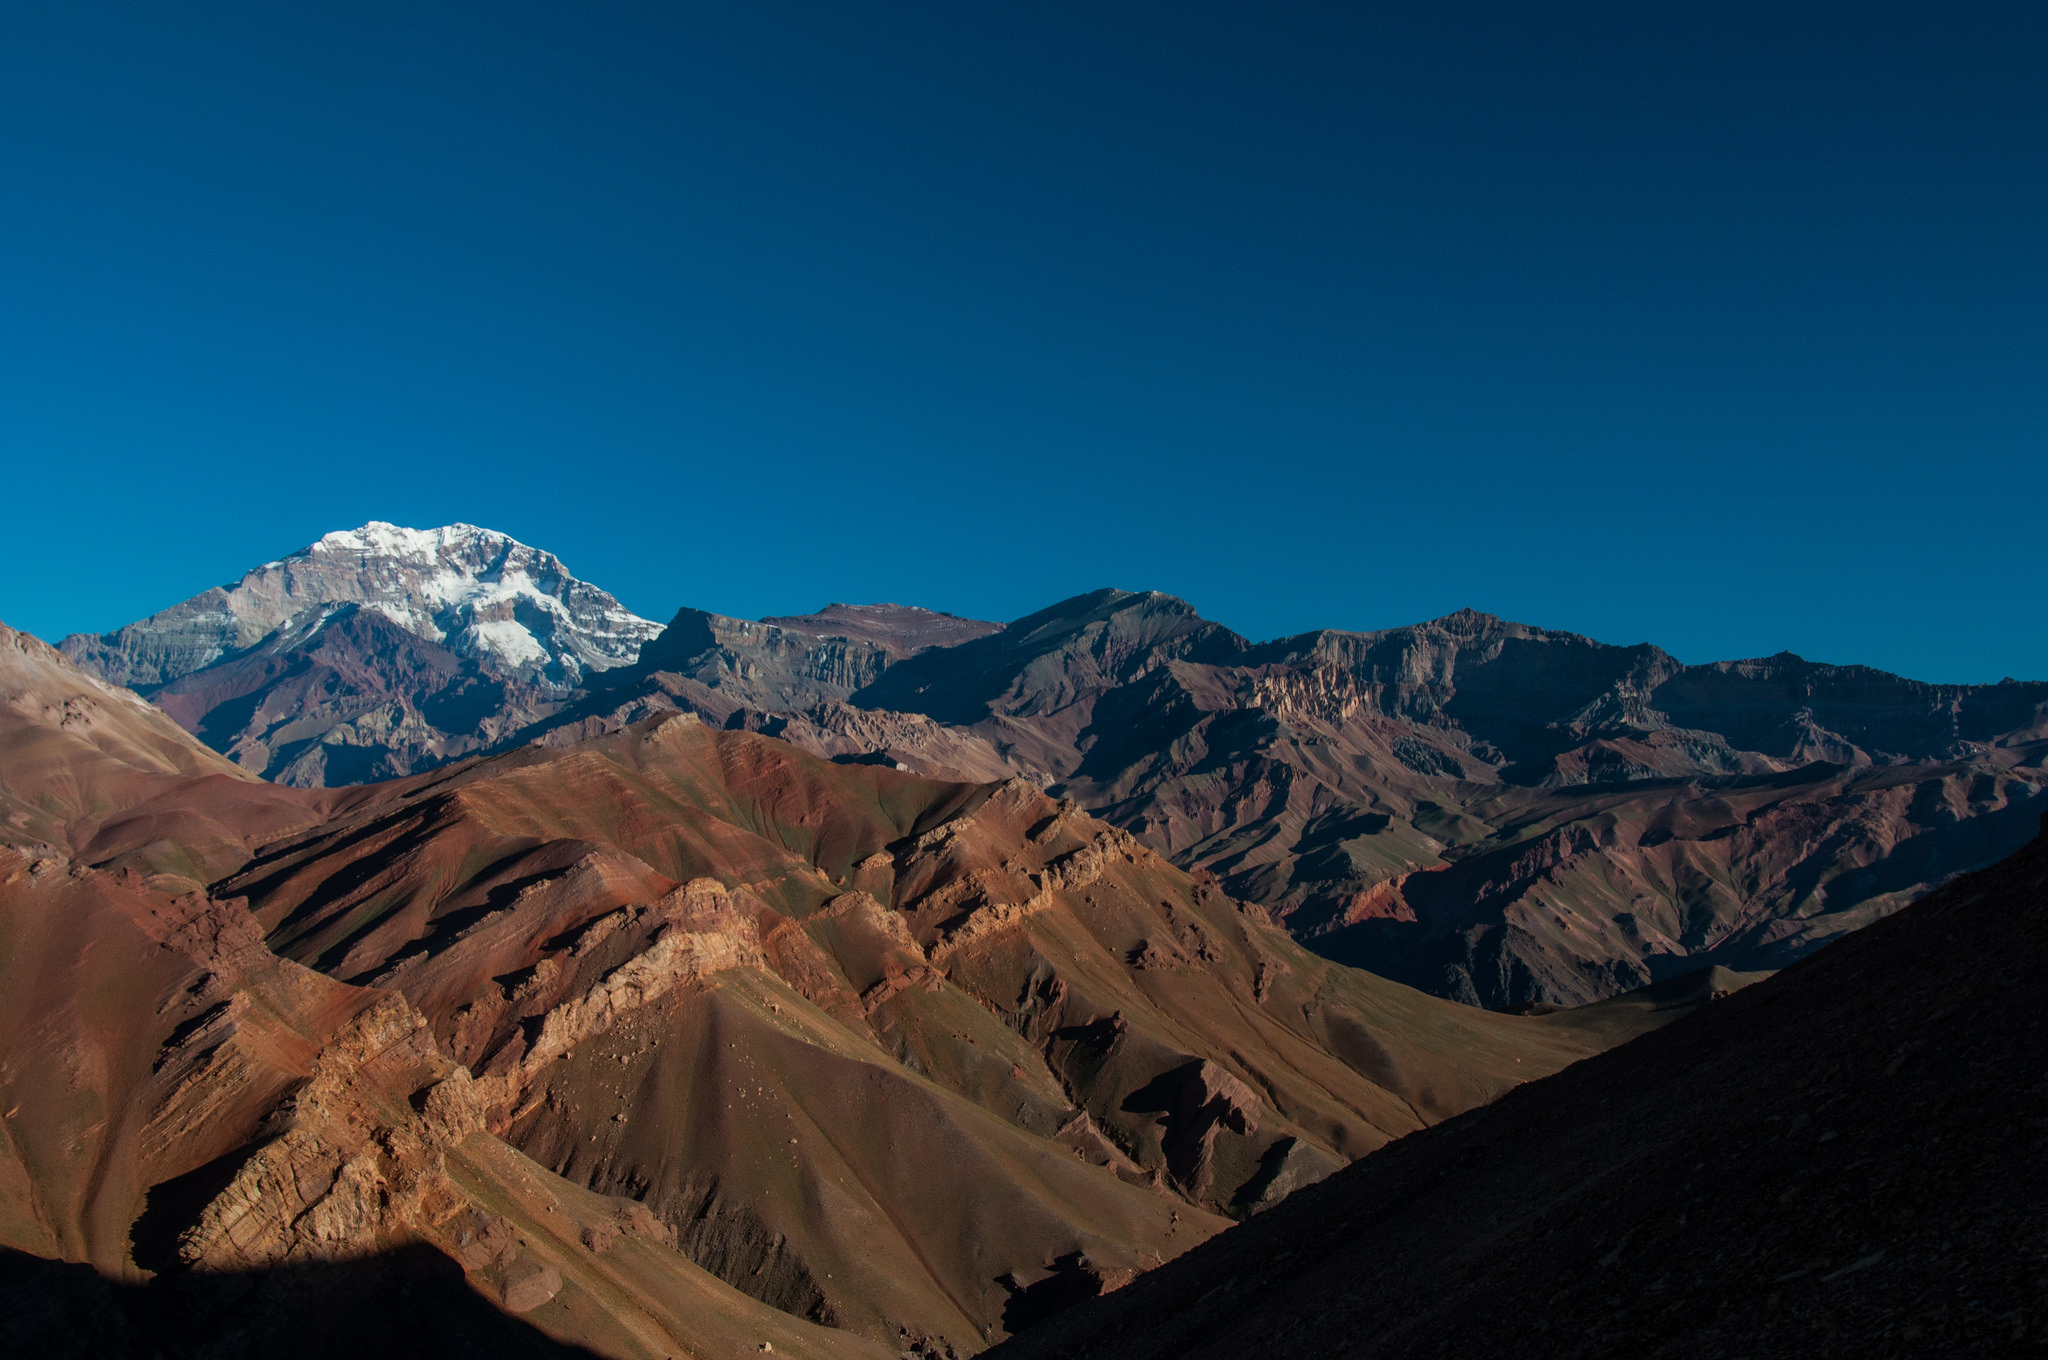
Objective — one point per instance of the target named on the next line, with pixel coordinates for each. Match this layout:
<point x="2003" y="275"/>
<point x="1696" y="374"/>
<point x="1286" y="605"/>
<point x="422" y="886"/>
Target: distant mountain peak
<point x="496" y="617"/>
<point x="1469" y="618"/>
<point x="901" y="629"/>
<point x="483" y="594"/>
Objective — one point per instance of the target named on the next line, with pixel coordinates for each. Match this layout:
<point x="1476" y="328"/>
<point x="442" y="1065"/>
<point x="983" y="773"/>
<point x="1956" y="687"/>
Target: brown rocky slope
<point x="989" y="1035"/>
<point x="271" y="1150"/>
<point x="243" y="1155"/>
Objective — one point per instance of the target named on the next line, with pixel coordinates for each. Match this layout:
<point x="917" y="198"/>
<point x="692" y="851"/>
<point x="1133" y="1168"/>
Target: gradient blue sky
<point x="1723" y="326"/>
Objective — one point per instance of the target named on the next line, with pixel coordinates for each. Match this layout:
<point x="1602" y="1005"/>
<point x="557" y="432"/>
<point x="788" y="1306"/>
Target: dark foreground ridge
<point x="403" y="1303"/>
<point x="1849" y="1159"/>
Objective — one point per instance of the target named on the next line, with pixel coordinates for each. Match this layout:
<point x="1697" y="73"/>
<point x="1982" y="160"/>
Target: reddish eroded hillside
<point x="679" y="1038"/>
<point x="144" y="1035"/>
<point x="90" y="772"/>
<point x="228" y="1144"/>
<point x="1844" y="1160"/>
<point x="234" y="1144"/>
<point x="892" y="1054"/>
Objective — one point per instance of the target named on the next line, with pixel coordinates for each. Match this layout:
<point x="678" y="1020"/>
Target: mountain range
<point x="1500" y="814"/>
<point x="877" y="982"/>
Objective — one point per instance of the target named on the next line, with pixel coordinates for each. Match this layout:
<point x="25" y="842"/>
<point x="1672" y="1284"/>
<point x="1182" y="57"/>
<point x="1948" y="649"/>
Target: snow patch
<point x="510" y="642"/>
<point x="411" y="620"/>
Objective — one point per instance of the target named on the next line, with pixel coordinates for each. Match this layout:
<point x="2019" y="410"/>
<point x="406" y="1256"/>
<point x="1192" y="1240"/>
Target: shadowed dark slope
<point x="1055" y="661"/>
<point x="404" y="1303"/>
<point x="1844" y="1160"/>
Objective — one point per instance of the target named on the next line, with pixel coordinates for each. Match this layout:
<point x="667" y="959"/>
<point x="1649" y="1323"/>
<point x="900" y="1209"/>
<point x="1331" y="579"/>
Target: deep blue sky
<point x="1723" y="326"/>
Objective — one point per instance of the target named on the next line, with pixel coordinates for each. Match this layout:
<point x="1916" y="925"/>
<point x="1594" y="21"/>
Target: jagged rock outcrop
<point x="346" y="1168"/>
<point x="696" y="930"/>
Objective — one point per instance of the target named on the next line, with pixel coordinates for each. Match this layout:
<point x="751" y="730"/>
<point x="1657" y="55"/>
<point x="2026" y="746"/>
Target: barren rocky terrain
<point x="676" y="1039"/>
<point x="934" y="1008"/>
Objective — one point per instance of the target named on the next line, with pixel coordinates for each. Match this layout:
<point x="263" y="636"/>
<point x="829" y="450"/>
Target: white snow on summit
<point x="485" y="595"/>
<point x="476" y="590"/>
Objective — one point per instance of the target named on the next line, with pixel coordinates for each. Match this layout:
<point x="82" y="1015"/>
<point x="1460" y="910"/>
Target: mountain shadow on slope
<point x="412" y="1301"/>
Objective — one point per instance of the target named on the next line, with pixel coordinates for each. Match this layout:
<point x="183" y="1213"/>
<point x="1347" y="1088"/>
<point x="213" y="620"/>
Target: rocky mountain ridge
<point x="904" y="630"/>
<point x="1502" y="814"/>
<point x="1494" y="812"/>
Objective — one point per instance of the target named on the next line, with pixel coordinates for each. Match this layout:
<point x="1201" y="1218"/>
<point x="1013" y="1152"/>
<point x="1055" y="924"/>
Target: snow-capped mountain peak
<point x="513" y="609"/>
